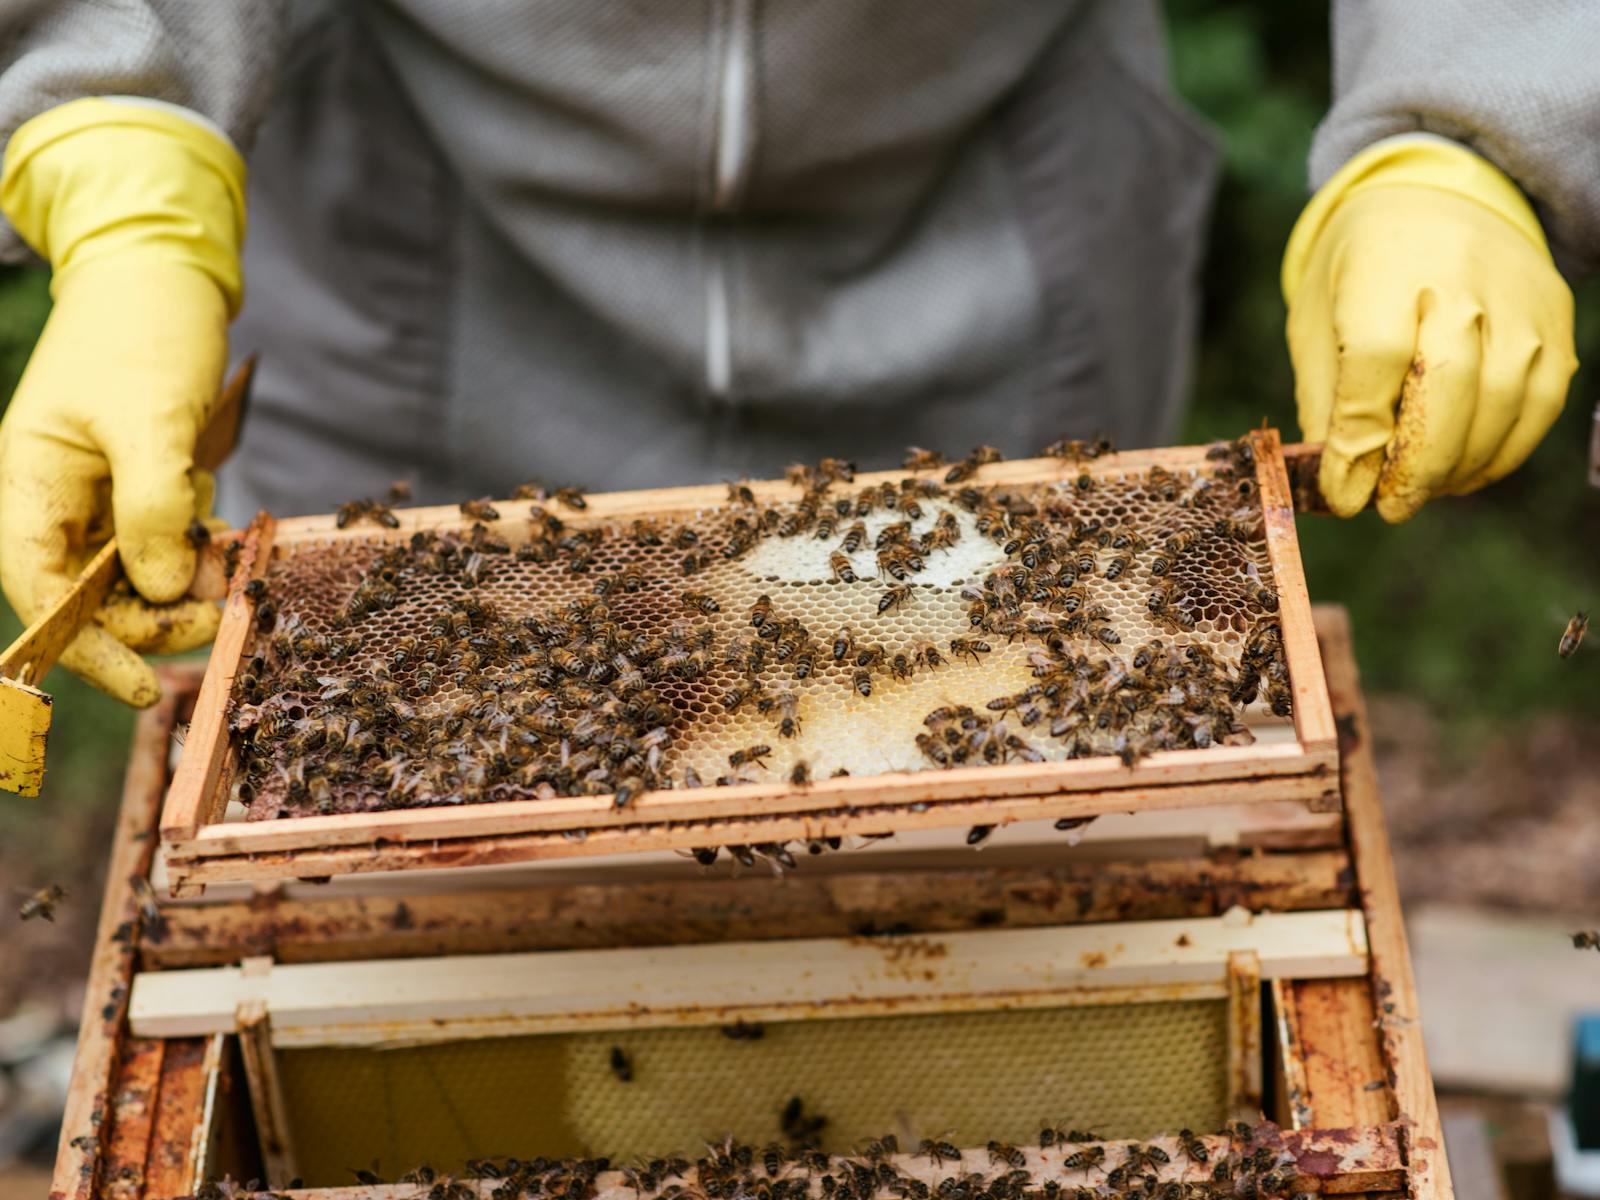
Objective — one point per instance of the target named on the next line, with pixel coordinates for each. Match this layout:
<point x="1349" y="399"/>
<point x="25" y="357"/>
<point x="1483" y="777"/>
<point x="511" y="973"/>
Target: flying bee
<point x="894" y="597"/>
<point x="699" y="602"/>
<point x="1572" y="636"/>
<point x="43" y="903"/>
<point x="621" y="1065"/>
<point x="969" y="648"/>
<point x="841" y="568"/>
<point x="479" y="510"/>
<point x="862" y="682"/>
<point x="750" y="754"/>
<point x="572" y="497"/>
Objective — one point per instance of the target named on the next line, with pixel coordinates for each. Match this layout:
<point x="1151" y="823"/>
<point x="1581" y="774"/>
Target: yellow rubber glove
<point x="141" y="213"/>
<point x="1430" y="331"/>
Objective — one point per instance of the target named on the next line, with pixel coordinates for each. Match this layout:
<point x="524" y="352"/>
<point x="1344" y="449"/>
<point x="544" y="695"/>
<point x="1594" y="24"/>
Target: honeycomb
<point x="1124" y="1071"/>
<point x="544" y="652"/>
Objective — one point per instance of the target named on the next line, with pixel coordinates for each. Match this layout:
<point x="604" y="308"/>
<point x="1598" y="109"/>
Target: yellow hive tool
<point x="24" y="709"/>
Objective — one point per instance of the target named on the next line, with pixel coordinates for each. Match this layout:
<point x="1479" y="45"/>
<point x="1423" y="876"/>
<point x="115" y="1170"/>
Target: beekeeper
<point x="631" y="244"/>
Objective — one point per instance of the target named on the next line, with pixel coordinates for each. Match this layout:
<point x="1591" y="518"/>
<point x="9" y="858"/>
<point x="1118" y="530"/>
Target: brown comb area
<point x="545" y="654"/>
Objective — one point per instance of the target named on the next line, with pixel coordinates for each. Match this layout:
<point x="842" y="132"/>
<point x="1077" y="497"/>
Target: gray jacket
<point x="636" y="242"/>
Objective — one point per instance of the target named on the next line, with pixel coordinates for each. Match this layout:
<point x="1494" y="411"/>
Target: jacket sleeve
<point x="1514" y="80"/>
<point x="217" y="59"/>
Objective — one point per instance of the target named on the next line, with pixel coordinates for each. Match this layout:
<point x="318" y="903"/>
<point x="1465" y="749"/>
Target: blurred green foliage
<point x="1460" y="608"/>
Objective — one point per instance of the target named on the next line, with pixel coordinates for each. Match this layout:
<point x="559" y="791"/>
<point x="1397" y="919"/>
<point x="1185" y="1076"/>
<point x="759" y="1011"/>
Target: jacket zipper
<point x="730" y="162"/>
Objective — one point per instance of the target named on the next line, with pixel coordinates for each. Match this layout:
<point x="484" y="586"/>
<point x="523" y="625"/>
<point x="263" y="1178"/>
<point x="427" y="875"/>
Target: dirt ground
<point x="1512" y="822"/>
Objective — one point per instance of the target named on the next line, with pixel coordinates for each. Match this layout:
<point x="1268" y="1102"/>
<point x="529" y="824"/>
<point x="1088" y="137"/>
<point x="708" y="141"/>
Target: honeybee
<point x="976" y="836"/>
<point x="479" y="510"/>
<point x="792" y="638"/>
<point x="800" y="775"/>
<point x="1572" y="636"/>
<point x="197" y="534"/>
<point x="945" y="532"/>
<point x="1085" y="1160"/>
<point x="854" y="537"/>
<point x="826" y="527"/>
<point x="969" y="648"/>
<point x="838" y="470"/>
<point x="1117" y="566"/>
<point x="868" y="656"/>
<point x="894" y="597"/>
<point x="898" y="561"/>
<point x="936" y="1151"/>
<point x="621" y="1065"/>
<point x="43" y="903"/>
<point x="749" y="755"/>
<point x="841" y="568"/>
<point x="918" y="459"/>
<point x="645" y="533"/>
<point x="862" y="682"/>
<point x="928" y="656"/>
<point x="1193" y="1148"/>
<point x="1160" y="565"/>
<point x="698" y="602"/>
<point x="572" y="497"/>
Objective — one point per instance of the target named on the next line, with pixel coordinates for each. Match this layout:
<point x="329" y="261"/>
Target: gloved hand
<point x="141" y="213"/>
<point x="1430" y="331"/>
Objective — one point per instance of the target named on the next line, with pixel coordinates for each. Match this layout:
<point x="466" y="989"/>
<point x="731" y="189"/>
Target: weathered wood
<point x="561" y="991"/>
<point x="267" y="1103"/>
<point x="1346" y="1080"/>
<point x="111" y="963"/>
<point x="1244" y="1035"/>
<point x="132" y="1116"/>
<point x="1394" y="988"/>
<point x="805" y="904"/>
<point x="1293" y="1093"/>
<point x="169" y="1168"/>
<point x="194" y="798"/>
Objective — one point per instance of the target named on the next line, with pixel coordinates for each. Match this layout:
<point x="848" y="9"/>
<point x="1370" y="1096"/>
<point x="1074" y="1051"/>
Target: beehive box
<point x="782" y="651"/>
<point x="1128" y="986"/>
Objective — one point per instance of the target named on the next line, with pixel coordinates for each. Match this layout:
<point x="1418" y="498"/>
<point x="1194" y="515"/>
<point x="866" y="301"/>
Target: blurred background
<point x="1487" y="740"/>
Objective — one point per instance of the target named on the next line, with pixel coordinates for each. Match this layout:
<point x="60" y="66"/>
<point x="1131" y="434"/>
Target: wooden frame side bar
<point x="1393" y="985"/>
<point x="78" y="1159"/>
<point x="195" y="796"/>
<point x="1313" y="714"/>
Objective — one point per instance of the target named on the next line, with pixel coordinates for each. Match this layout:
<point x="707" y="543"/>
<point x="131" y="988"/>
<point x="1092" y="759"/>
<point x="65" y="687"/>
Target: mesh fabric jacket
<point x="628" y="244"/>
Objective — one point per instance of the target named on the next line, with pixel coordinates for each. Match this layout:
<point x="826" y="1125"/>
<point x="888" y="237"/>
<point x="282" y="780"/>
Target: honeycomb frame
<point x="204" y="846"/>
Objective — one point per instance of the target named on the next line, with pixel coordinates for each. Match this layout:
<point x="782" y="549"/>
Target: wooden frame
<point x="201" y="847"/>
<point x="1372" y="1124"/>
<point x="445" y="999"/>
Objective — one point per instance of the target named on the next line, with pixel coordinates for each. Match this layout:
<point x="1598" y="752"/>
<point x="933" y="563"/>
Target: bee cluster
<point x="1251" y="1165"/>
<point x="929" y="621"/>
